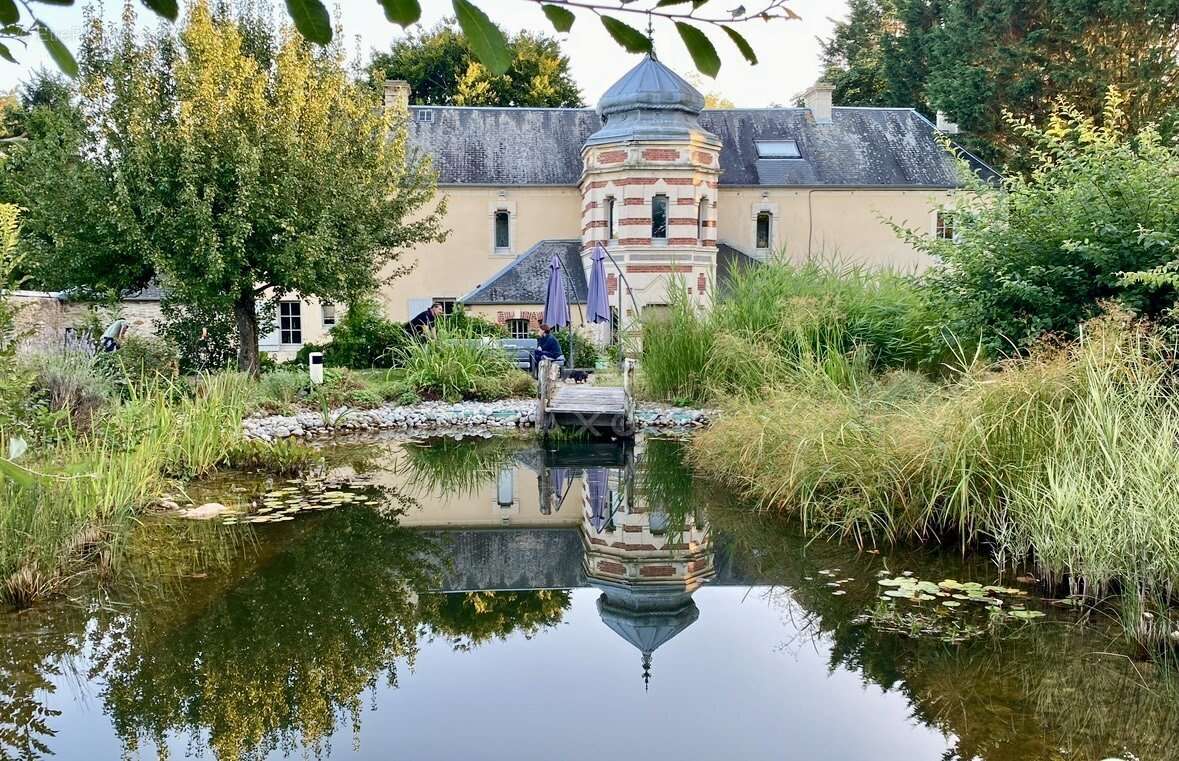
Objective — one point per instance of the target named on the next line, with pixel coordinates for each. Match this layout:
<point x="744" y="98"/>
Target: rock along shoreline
<point x="440" y="416"/>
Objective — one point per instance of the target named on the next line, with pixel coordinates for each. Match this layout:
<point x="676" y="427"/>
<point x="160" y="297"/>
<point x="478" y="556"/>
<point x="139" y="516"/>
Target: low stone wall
<point x="439" y="416"/>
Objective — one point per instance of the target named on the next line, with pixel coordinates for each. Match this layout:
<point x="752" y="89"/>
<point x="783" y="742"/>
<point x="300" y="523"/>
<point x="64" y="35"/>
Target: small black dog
<point x="579" y="376"/>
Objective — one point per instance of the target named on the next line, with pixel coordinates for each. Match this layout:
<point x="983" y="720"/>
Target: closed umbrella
<point x="597" y="302"/>
<point x="556" y="305"/>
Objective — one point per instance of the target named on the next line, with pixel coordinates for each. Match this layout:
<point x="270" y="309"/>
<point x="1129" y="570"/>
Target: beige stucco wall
<point x="468" y="256"/>
<point x="850" y="225"/>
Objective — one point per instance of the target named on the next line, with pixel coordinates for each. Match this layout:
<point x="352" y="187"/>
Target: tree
<point x="442" y="70"/>
<point x="975" y="59"/>
<point x="234" y="177"/>
<point x="487" y="40"/>
<point x="1043" y="253"/>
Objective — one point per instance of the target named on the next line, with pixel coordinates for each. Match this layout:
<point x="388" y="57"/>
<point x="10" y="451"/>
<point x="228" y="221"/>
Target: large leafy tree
<point x="442" y="69"/>
<point x="975" y="59"/>
<point x="234" y="169"/>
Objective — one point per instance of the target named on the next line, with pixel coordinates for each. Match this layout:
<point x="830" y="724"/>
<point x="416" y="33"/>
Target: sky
<point x="788" y="50"/>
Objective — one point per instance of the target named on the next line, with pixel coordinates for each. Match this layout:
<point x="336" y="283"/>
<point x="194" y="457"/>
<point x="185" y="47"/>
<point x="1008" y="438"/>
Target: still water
<point x="494" y="600"/>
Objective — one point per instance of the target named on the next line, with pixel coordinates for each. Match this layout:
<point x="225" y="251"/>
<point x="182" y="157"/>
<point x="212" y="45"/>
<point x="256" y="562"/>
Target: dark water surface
<point x="489" y="599"/>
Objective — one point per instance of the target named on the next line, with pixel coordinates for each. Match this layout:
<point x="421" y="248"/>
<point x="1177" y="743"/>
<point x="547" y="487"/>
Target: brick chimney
<point x="944" y="125"/>
<point x="397" y="94"/>
<point x="818" y="100"/>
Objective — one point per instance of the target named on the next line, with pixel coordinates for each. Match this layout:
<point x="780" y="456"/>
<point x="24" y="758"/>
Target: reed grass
<point x="785" y="321"/>
<point x="90" y="486"/>
<point x="1068" y="459"/>
<point x="456" y="364"/>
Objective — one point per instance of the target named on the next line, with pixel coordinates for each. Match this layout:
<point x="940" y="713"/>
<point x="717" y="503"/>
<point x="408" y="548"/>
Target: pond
<point x="492" y="599"/>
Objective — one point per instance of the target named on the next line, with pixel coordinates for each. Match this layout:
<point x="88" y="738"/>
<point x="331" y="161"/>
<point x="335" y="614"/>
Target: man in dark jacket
<point x="422" y="323"/>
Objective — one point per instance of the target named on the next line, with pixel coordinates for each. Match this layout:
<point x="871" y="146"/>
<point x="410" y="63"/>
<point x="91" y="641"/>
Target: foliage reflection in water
<point x="481" y="580"/>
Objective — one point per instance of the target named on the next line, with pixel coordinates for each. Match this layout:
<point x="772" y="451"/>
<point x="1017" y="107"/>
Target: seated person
<point x="547" y="347"/>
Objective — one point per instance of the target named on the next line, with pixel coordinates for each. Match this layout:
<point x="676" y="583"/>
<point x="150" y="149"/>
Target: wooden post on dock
<point x="628" y="391"/>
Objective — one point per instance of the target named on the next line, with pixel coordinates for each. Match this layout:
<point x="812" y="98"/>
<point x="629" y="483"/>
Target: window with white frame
<point x="290" y="322"/>
<point x="701" y="218"/>
<point x="763" y="231"/>
<point x="778" y="149"/>
<point x="447" y="304"/>
<point x="517" y="328"/>
<point x="329" y="314"/>
<point x="659" y="217"/>
<point x="611" y="219"/>
<point x="503" y="230"/>
<point x="943" y="226"/>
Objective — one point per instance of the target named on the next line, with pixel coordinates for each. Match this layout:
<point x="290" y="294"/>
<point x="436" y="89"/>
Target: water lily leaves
<point x="951" y="603"/>
<point x="1025" y="615"/>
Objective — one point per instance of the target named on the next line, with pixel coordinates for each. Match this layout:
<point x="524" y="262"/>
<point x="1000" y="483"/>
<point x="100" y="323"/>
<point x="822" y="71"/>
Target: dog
<point x="578" y="376"/>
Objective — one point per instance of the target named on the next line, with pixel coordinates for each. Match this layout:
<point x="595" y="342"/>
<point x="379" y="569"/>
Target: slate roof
<point x="862" y="147"/>
<point x="525" y="279"/>
<point x="651" y="85"/>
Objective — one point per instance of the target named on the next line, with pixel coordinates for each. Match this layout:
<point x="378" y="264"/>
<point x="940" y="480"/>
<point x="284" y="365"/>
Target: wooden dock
<point x="600" y="411"/>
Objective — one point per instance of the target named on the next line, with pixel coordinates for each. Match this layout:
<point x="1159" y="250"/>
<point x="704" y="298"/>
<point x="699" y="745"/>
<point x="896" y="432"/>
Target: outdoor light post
<point x="315" y="367"/>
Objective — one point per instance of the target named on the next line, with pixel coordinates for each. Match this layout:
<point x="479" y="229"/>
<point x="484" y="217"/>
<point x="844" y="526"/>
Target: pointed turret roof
<point x="651" y="85"/>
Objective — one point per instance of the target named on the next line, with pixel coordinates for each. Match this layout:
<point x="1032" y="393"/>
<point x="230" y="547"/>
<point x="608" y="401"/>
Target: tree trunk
<point x="245" y="313"/>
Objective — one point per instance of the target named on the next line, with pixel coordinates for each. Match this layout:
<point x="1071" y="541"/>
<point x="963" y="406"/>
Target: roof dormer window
<point x="778" y="149"/>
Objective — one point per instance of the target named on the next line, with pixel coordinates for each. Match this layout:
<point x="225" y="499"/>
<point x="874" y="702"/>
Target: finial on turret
<point x="651" y="35"/>
<point x="646" y="671"/>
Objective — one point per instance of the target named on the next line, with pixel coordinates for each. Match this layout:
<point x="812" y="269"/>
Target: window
<point x="659" y="217"/>
<point x="944" y="226"/>
<point x="611" y="234"/>
<point x="424" y="116"/>
<point x="503" y="239"/>
<point x="763" y="229"/>
<point x="777" y="149"/>
<point x="329" y="314"/>
<point x="447" y="304"/>
<point x="701" y="217"/>
<point x="290" y="322"/>
<point x="517" y="328"/>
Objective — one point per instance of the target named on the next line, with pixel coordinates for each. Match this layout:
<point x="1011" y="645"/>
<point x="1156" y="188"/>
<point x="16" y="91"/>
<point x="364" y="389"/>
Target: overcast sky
<point x="788" y="49"/>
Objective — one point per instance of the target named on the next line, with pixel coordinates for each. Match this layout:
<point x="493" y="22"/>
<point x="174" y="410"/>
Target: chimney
<point x="818" y="100"/>
<point x="945" y="126"/>
<point x="397" y="95"/>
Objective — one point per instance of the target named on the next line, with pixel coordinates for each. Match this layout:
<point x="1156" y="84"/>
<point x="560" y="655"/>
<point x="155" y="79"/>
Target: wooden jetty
<point x="600" y="411"/>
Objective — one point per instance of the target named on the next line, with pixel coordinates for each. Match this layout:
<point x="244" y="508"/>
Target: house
<point x="678" y="194"/>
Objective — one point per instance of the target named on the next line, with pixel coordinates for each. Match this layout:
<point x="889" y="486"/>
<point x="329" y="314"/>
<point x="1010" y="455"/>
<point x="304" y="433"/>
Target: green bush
<point x="139" y="361"/>
<point x="205" y="337"/>
<point x="586" y="354"/>
<point x="454" y="366"/>
<point x="363" y="338"/>
<point x="461" y="322"/>
<point x="1041" y="254"/>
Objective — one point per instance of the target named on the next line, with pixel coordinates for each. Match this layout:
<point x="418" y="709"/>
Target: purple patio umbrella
<point x="599" y="495"/>
<point x="597" y="302"/>
<point x="556" y="305"/>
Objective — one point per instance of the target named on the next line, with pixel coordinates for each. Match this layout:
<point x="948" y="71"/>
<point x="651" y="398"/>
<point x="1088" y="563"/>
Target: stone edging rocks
<point x="438" y="416"/>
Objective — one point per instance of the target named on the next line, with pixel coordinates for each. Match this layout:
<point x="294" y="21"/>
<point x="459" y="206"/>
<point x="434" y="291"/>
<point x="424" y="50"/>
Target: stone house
<point x="678" y="194"/>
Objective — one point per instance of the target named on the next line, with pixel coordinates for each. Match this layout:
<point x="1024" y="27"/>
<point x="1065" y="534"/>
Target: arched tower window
<point x="503" y="239"/>
<point x="764" y="219"/>
<point x="659" y="217"/>
<point x="701" y="218"/>
<point x="611" y="233"/>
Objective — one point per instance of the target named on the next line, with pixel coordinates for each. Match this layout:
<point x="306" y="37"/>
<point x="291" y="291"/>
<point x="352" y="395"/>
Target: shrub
<point x="279" y="390"/>
<point x="14" y="380"/>
<point x="139" y="361"/>
<point x="586" y="352"/>
<point x="205" y="337"/>
<point x="454" y="366"/>
<point x="464" y="323"/>
<point x="363" y="338"/>
<point x="71" y="388"/>
<point x="1041" y="254"/>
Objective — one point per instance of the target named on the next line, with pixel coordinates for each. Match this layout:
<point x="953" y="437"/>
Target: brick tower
<point x="649" y="188"/>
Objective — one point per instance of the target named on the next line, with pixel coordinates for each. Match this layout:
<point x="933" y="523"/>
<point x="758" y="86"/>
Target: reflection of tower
<point x="646" y="564"/>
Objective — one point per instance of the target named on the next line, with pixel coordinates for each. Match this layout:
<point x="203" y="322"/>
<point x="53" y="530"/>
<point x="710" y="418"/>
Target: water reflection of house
<point x="560" y="520"/>
<point x="646" y="563"/>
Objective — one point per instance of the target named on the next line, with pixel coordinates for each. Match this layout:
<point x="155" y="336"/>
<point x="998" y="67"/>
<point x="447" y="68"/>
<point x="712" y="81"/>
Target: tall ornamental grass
<point x="1069" y="459"/>
<point x="81" y="492"/>
<point x="783" y="321"/>
<point x="456" y="364"/>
